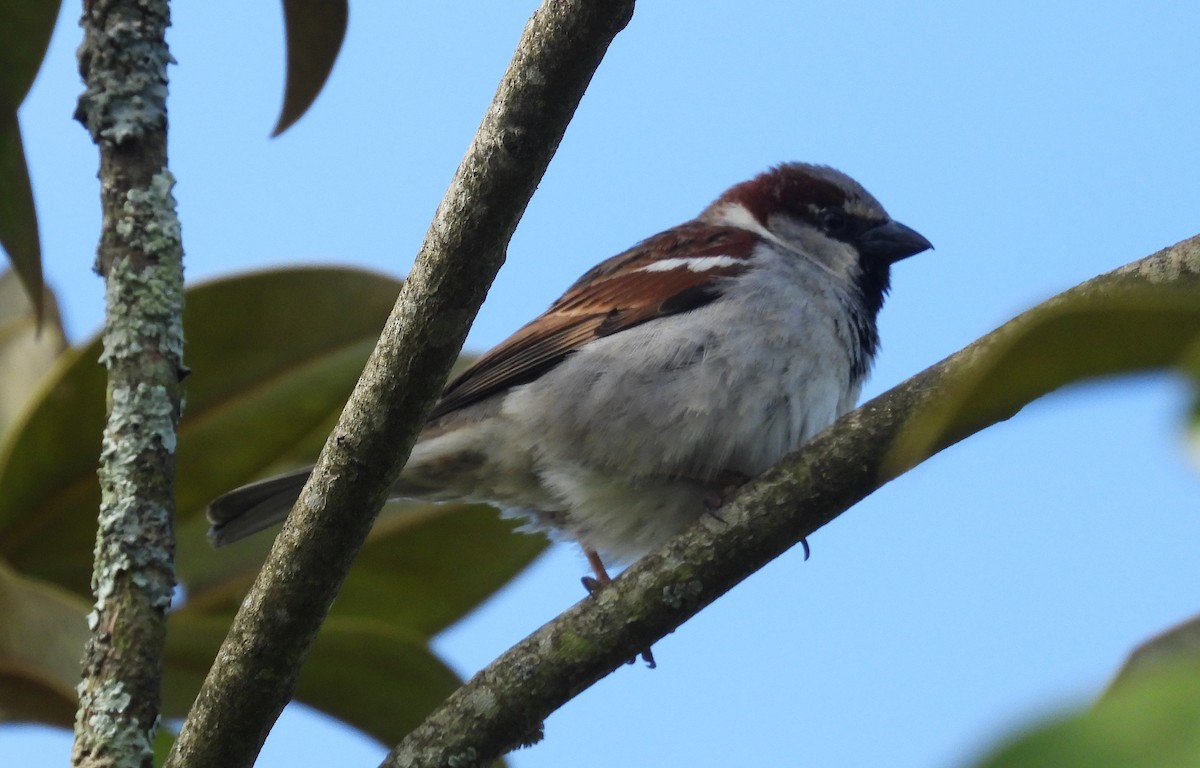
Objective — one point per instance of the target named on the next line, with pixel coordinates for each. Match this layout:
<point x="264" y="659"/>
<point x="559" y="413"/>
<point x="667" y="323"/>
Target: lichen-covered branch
<point x="504" y="705"/>
<point x="124" y="60"/>
<point x="256" y="668"/>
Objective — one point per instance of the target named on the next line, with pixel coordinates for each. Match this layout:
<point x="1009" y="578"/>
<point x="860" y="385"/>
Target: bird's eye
<point x="834" y="221"/>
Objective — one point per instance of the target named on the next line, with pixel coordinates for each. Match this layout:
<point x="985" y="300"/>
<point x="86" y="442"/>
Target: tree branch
<point x="123" y="60"/>
<point x="503" y="706"/>
<point x="255" y="672"/>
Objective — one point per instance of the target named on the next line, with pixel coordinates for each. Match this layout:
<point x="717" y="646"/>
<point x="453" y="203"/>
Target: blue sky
<point x="1036" y="145"/>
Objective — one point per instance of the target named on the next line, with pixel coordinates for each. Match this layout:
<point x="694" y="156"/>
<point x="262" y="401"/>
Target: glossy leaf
<point x="26" y="352"/>
<point x="41" y="642"/>
<point x="315" y="30"/>
<point x="49" y="494"/>
<point x="410" y="574"/>
<point x="1150" y="722"/>
<point x="273" y="357"/>
<point x="1148" y="328"/>
<point x="25" y="29"/>
<point x="1182" y="641"/>
<point x="164" y="739"/>
<point x="18" y="217"/>
<point x="376" y="677"/>
<point x="426" y="569"/>
<point x="1191" y="363"/>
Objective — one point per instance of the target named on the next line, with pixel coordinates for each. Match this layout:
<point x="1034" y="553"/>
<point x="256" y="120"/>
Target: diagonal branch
<point x="256" y="669"/>
<point x="504" y="705"/>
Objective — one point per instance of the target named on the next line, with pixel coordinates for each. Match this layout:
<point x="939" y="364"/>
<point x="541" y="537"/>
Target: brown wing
<point x="617" y="294"/>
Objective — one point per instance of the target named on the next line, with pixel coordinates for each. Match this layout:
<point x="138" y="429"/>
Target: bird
<point x="662" y="378"/>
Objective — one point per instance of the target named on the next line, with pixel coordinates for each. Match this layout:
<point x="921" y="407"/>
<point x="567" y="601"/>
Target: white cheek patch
<point x="695" y="264"/>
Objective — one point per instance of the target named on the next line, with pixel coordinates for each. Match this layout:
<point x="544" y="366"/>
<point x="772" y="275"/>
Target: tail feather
<point x="251" y="508"/>
<point x="235" y="515"/>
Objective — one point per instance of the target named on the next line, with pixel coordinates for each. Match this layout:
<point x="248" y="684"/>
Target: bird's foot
<point x="601" y="579"/>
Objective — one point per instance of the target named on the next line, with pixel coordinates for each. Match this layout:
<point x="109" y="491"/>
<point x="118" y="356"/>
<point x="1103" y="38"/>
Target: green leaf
<point x="427" y="570"/>
<point x="25" y="29"/>
<point x="26" y="352"/>
<point x="41" y="642"/>
<point x="1118" y="332"/>
<point x="315" y="30"/>
<point x="18" y="217"/>
<point x="1191" y="364"/>
<point x="1182" y="641"/>
<point x="1150" y="721"/>
<point x="164" y="739"/>
<point x="376" y="677"/>
<point x="273" y="355"/>
<point x="410" y="574"/>
<point x="49" y="494"/>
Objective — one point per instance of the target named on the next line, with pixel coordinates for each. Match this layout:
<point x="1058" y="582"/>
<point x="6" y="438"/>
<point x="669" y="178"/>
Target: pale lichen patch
<point x="126" y="72"/>
<point x="116" y="736"/>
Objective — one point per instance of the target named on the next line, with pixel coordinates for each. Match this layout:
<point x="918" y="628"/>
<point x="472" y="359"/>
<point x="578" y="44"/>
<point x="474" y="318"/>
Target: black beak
<point x="892" y="242"/>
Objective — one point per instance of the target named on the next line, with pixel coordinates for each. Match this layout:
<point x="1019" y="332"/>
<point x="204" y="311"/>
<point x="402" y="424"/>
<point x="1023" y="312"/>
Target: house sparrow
<point x="662" y="377"/>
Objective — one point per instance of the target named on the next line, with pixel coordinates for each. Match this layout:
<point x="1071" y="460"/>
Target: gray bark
<point x="123" y="60"/>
